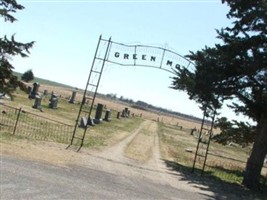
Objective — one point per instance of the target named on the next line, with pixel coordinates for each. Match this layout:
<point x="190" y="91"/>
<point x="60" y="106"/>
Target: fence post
<point x="265" y="181"/>
<point x="15" y="128"/>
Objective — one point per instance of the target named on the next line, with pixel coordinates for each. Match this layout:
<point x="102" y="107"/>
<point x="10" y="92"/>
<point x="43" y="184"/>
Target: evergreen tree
<point x="236" y="69"/>
<point x="27" y="76"/>
<point x="233" y="131"/>
<point x="9" y="48"/>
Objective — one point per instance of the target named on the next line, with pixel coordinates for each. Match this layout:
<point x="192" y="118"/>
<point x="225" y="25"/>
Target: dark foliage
<point x="9" y="48"/>
<point x="27" y="76"/>
<point x="233" y="131"/>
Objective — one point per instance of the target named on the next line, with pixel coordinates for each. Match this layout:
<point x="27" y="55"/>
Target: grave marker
<point x="34" y="91"/>
<point x="118" y="115"/>
<point x="83" y="122"/>
<point x="98" y="113"/>
<point x="107" y="116"/>
<point x="72" y="99"/>
<point x="53" y="101"/>
<point x="125" y="112"/>
<point x="45" y="92"/>
<point x="37" y="102"/>
<point x="29" y="89"/>
<point x="91" y="122"/>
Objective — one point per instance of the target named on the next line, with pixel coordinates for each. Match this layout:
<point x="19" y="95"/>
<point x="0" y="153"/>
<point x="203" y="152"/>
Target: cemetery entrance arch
<point x="125" y="55"/>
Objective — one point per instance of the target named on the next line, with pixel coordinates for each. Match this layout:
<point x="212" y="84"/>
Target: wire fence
<point x="20" y="122"/>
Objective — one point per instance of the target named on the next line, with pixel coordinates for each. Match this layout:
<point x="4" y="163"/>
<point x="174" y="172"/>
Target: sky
<point x="66" y="35"/>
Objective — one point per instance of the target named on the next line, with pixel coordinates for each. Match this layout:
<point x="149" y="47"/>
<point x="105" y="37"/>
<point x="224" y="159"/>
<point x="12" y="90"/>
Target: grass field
<point x="177" y="145"/>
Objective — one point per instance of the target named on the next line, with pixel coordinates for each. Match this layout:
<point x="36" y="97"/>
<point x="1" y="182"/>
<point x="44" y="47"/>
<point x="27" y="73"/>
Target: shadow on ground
<point x="222" y="190"/>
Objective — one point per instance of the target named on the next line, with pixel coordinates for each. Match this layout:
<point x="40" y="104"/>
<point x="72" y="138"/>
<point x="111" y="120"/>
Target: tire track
<point x="116" y="152"/>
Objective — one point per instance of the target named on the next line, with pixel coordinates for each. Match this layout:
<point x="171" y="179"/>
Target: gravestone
<point x="125" y="112"/>
<point x="83" y="122"/>
<point x="192" y="131"/>
<point x="53" y="101"/>
<point x="98" y="113"/>
<point x="90" y="122"/>
<point x="37" y="102"/>
<point x="52" y="94"/>
<point x="34" y="91"/>
<point x="107" y="116"/>
<point x="72" y="99"/>
<point x="29" y="89"/>
<point x="118" y="115"/>
<point x="45" y="92"/>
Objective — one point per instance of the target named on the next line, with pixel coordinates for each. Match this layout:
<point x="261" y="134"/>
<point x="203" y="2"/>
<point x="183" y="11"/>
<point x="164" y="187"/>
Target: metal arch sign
<point x="126" y="55"/>
<point x="143" y="55"/>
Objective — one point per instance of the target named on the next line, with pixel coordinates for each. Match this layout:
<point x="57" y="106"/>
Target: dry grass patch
<point x="223" y="162"/>
<point x="173" y="144"/>
<point x="107" y="134"/>
<point x="140" y="148"/>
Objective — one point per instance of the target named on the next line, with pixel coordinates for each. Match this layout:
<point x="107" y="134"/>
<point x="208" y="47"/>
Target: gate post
<point x="15" y="127"/>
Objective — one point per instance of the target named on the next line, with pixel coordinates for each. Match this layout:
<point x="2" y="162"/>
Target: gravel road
<point x="24" y="179"/>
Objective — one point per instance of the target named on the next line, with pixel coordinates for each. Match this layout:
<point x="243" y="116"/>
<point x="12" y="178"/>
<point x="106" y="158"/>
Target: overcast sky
<point x="66" y="35"/>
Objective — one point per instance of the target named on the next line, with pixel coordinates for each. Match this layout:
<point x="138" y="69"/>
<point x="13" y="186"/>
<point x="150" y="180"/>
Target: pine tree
<point x="236" y="69"/>
<point x="27" y="76"/>
<point x="9" y="48"/>
<point x="241" y="133"/>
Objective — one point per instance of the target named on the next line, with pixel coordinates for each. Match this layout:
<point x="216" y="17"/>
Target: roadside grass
<point x="5" y="137"/>
<point x="225" y="163"/>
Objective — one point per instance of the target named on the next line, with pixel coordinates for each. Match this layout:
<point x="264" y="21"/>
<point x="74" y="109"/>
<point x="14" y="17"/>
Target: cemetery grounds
<point x="148" y="140"/>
